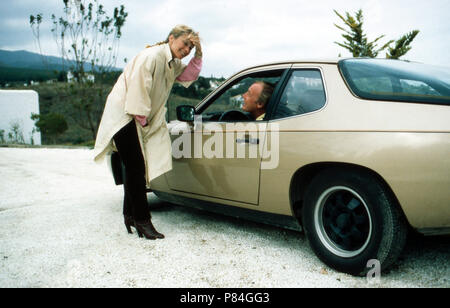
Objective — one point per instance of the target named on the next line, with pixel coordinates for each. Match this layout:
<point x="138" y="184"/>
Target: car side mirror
<point x="185" y="113"/>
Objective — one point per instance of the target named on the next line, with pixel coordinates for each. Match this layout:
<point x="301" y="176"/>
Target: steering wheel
<point x="235" y="115"/>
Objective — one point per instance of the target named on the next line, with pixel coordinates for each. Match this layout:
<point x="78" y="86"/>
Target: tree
<point x="402" y="45"/>
<point x="51" y="125"/>
<point x="87" y="38"/>
<point x="357" y="43"/>
<point x="16" y="133"/>
<point x="356" y="40"/>
<point x="88" y="42"/>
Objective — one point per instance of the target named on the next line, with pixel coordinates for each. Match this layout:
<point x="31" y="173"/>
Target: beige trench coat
<point x="142" y="89"/>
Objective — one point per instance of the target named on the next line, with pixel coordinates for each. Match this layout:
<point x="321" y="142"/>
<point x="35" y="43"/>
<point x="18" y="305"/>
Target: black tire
<point x="350" y="218"/>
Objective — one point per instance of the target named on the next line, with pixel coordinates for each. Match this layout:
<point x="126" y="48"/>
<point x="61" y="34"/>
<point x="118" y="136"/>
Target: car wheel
<point x="350" y="218"/>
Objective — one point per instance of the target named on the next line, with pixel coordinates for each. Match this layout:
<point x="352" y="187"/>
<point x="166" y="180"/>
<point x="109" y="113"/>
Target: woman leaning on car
<point x="133" y="121"/>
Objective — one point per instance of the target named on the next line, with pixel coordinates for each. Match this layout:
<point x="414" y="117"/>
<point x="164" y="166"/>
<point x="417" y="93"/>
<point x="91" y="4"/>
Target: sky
<point x="237" y="34"/>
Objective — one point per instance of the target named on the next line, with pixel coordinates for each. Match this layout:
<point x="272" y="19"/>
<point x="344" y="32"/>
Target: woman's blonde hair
<point x="177" y="31"/>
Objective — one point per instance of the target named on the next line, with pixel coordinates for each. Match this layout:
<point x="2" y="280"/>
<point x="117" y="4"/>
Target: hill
<point x="35" y="61"/>
<point x="26" y="75"/>
<point x="30" y="60"/>
<point x="17" y="67"/>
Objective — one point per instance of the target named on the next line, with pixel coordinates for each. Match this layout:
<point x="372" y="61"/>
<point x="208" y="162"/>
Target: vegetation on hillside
<point x="12" y="77"/>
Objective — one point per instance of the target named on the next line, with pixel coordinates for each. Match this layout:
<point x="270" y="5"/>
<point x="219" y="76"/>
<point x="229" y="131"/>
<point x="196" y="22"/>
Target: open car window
<point x="231" y="97"/>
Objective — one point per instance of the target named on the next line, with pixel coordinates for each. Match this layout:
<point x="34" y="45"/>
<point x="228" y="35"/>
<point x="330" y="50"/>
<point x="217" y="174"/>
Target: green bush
<point x="51" y="124"/>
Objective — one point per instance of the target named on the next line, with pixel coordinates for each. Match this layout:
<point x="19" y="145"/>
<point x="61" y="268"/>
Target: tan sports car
<point x="355" y="152"/>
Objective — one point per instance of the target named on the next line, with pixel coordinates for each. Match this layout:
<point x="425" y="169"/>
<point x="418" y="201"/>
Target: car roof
<point x="333" y="61"/>
<point x="290" y="62"/>
<point x="320" y="61"/>
<point x="300" y="61"/>
<point x="317" y="60"/>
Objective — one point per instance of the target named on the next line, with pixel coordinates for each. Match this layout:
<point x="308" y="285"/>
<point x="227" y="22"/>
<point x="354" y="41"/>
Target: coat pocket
<point x="156" y="123"/>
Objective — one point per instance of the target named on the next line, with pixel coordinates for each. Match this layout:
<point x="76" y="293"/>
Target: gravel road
<point x="61" y="226"/>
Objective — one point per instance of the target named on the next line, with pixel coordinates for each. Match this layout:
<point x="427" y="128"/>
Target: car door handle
<point x="248" y="140"/>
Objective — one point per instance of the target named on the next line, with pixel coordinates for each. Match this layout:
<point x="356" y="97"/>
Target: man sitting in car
<point x="256" y="99"/>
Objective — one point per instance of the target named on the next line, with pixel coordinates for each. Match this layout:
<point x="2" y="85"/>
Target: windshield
<point x="395" y="80"/>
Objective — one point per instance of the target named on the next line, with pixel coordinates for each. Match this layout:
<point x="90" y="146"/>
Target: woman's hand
<point x="195" y="39"/>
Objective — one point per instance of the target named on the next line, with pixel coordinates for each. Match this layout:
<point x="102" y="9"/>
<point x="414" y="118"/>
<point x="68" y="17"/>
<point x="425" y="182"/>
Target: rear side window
<point x="303" y="93"/>
<point x="395" y="80"/>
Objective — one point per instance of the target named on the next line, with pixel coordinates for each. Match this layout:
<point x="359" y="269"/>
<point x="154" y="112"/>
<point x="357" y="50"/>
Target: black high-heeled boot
<point x="146" y="228"/>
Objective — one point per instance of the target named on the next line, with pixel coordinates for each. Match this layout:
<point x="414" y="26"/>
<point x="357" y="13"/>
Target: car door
<point x="220" y="156"/>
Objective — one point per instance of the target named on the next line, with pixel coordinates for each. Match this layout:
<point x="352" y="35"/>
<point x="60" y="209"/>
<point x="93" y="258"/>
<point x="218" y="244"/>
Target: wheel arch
<point x="304" y="175"/>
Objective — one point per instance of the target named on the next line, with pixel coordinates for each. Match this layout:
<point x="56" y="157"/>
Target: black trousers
<point x="135" y="194"/>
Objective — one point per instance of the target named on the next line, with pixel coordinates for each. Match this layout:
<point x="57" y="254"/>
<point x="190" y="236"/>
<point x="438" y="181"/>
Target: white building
<point x="16" y="107"/>
<point x="88" y="77"/>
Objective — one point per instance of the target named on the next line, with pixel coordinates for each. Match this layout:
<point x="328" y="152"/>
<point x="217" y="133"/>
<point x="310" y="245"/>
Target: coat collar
<point x="168" y="53"/>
